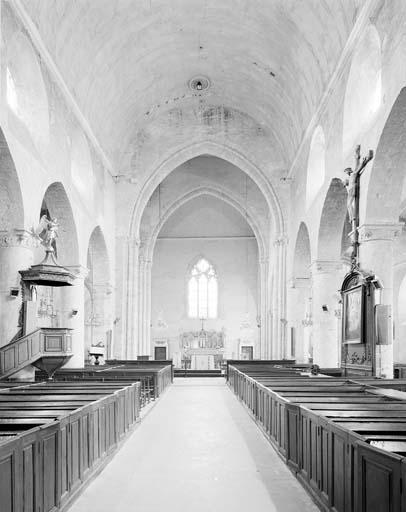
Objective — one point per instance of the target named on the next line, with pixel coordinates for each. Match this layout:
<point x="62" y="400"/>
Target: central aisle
<point x="197" y="450"/>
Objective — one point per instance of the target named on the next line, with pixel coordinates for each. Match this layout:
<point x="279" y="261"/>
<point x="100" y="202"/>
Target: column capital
<point x="79" y="271"/>
<point x="134" y="241"/>
<point x="17" y="238"/>
<point x="373" y="232"/>
<point x="280" y="240"/>
<point x="326" y="267"/>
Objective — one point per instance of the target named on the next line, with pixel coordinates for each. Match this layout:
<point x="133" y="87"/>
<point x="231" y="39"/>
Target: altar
<point x="202" y="350"/>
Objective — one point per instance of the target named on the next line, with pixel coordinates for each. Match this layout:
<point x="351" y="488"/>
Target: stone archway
<point x="328" y="272"/>
<point x="15" y="245"/>
<point x="97" y="299"/>
<point x="133" y="297"/>
<point x="300" y="306"/>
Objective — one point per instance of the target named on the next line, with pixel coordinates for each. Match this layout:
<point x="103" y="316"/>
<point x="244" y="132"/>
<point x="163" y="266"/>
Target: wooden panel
<point x="75" y="452"/>
<point x="53" y="343"/>
<point x="49" y="471"/>
<point x="35" y="345"/>
<point x="28" y="483"/>
<point x="64" y="451"/>
<point x="9" y="359"/>
<point x="7" y="483"/>
<point x="292" y="435"/>
<point x="338" y="469"/>
<point x="23" y="351"/>
<point x="379" y="476"/>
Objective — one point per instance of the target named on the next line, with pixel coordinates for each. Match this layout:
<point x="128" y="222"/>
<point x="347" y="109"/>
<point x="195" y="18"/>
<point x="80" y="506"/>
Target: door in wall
<point x="160" y="353"/>
<point x="247" y="353"/>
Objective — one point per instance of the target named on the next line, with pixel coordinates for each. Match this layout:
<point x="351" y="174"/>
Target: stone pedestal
<point x="327" y="277"/>
<point x="15" y="254"/>
<point x="376" y="256"/>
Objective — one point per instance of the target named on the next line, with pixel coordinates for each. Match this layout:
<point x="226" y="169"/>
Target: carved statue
<point x="47" y="232"/>
<point x="352" y="184"/>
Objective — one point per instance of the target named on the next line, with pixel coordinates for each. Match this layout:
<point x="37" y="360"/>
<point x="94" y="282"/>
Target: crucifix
<point x="352" y="184"/>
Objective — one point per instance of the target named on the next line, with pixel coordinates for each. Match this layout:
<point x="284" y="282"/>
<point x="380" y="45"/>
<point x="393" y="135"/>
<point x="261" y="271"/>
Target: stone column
<point x="73" y="315"/>
<point x="144" y="306"/>
<point x="130" y="306"/>
<point x="16" y="253"/>
<point x="279" y="299"/>
<point x="326" y="281"/>
<point x="376" y="256"/>
<point x="264" y="335"/>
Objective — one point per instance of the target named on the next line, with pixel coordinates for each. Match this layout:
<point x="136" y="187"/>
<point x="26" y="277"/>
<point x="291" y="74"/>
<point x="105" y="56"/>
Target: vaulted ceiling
<point x="128" y="62"/>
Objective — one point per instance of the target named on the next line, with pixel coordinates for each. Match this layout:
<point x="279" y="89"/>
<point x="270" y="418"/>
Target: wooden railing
<point x="42" y="343"/>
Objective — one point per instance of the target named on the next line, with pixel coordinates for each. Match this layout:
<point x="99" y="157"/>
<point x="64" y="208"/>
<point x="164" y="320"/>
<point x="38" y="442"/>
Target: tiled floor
<point x="196" y="450"/>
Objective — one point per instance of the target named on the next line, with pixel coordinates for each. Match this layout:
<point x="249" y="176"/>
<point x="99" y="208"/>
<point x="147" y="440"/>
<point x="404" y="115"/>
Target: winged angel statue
<point x="46" y="232"/>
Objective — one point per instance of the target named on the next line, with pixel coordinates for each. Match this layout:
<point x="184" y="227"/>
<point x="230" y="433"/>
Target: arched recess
<point x="97" y="299"/>
<point x="217" y="150"/>
<point x="386" y="183"/>
<point x="316" y="166"/>
<point x="234" y="258"/>
<point x="364" y="89"/>
<point x="57" y="203"/>
<point x="332" y="222"/>
<point x="82" y="167"/>
<point x="11" y="200"/>
<point x="26" y="93"/>
<point x="300" y="299"/>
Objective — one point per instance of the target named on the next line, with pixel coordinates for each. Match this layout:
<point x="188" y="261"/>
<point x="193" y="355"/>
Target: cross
<point x="352" y="183"/>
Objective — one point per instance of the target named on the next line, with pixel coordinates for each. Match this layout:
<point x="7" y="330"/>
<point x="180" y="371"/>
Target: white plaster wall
<point x="237" y="288"/>
<point x="210" y="228"/>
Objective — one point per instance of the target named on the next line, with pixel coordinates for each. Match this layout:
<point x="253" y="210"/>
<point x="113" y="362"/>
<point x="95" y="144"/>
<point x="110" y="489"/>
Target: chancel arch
<point x="177" y="158"/>
<point x="262" y="226"/>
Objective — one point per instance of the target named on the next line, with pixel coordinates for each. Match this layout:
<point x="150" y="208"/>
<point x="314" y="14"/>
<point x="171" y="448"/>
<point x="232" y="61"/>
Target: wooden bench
<point x="344" y="439"/>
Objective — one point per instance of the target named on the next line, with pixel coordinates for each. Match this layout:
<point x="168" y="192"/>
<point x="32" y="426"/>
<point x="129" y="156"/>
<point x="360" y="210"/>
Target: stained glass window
<point x="202" y="291"/>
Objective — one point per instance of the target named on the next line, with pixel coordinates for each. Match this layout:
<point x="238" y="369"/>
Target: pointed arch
<point x="217" y="150"/>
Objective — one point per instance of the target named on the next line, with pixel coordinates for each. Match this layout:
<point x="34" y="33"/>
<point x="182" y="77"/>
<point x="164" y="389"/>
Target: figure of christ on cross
<point x="352" y="184"/>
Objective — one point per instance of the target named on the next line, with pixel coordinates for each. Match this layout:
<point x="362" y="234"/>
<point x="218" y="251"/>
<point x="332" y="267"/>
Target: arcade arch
<point x="97" y="295"/>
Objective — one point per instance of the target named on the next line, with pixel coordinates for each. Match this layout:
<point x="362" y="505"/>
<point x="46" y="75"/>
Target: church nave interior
<point x="200" y="199"/>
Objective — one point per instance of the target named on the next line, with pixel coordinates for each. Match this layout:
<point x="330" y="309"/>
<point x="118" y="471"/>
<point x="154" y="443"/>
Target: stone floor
<point x="196" y="450"/>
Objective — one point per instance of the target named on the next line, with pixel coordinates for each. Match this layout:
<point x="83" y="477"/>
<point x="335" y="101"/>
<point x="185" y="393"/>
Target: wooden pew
<point x="345" y="440"/>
